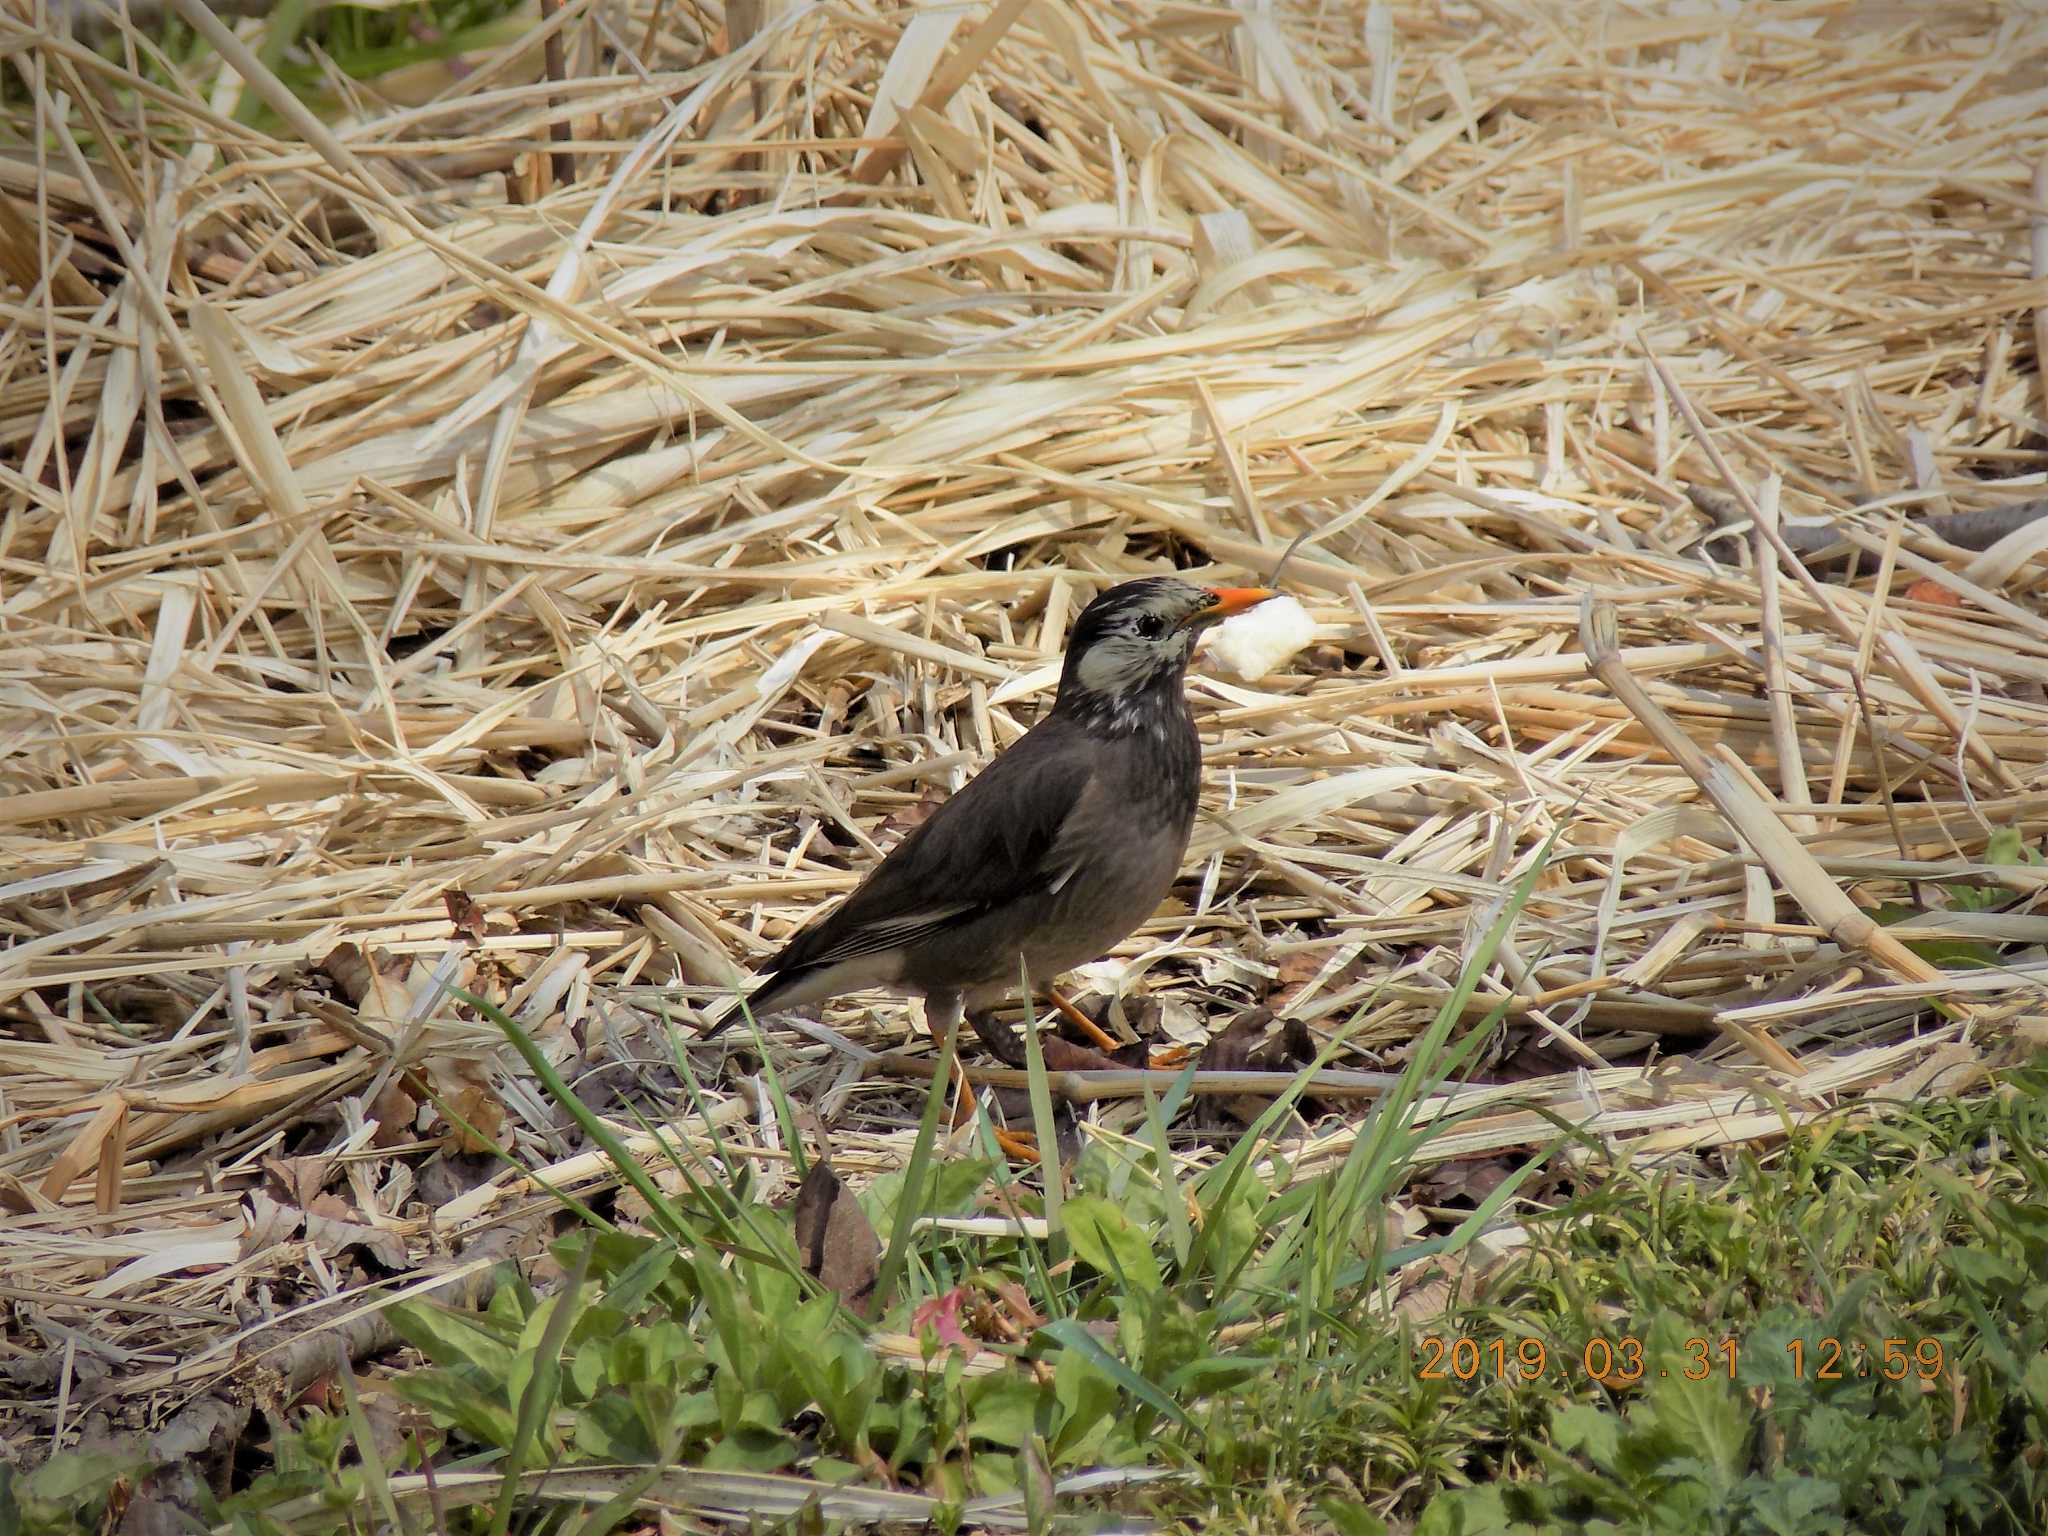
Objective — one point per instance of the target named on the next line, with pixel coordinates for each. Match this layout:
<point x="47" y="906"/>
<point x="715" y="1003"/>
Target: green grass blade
<point x="376" y="1476"/>
<point x="785" y="1117"/>
<point x="910" y="1203"/>
<point x="1047" y="1128"/>
<point x="543" y="1388"/>
<point x="628" y="1165"/>
<point x="1178" y="1231"/>
<point x="1069" y="1333"/>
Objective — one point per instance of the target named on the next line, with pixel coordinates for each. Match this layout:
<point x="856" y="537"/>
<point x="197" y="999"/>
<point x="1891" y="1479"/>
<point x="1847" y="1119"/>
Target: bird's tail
<point x="769" y="997"/>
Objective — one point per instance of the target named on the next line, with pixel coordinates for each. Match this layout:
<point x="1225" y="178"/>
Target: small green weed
<point x="1880" y="1291"/>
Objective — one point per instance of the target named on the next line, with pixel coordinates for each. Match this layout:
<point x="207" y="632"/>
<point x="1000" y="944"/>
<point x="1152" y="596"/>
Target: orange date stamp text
<point x="1624" y="1361"/>
<point x="1613" y="1361"/>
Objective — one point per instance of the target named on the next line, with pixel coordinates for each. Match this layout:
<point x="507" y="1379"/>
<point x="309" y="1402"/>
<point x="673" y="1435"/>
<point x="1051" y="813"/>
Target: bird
<point x="1051" y="855"/>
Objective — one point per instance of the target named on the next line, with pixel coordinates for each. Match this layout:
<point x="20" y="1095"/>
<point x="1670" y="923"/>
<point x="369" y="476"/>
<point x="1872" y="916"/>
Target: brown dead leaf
<point x="394" y="1111"/>
<point x="463" y="912"/>
<point x="113" y="1157"/>
<point x="837" y="1242"/>
<point x="1018" y="1318"/>
<point x="299" y="1180"/>
<point x="481" y="1114"/>
<point x="1003" y="1200"/>
<point x="1065" y="1056"/>
<point x="1462" y="1178"/>
<point x="1258" y="1042"/>
<point x="897" y="823"/>
<point x="1298" y="966"/>
<point x="1425" y="1287"/>
<point x="332" y="1225"/>
<point x="1294" y="971"/>
<point x="357" y="972"/>
<point x="83" y="1152"/>
<point x="271" y="1222"/>
<point x="17" y="1199"/>
<point x="1532" y="1054"/>
<point x="1928" y="590"/>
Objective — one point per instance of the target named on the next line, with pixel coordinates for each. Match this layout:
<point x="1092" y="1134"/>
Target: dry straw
<point x="415" y="572"/>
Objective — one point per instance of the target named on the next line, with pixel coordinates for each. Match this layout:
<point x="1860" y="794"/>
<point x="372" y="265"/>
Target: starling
<point x="1056" y="850"/>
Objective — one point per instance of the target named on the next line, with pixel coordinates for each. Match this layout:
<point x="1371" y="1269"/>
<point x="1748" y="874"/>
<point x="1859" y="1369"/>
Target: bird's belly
<point x="1092" y="916"/>
<point x="1046" y="934"/>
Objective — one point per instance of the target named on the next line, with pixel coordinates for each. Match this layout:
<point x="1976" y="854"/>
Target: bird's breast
<point x="1128" y="839"/>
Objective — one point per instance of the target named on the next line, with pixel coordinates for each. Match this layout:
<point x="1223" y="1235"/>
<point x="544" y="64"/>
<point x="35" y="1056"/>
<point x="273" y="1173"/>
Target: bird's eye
<point x="1150" y="626"/>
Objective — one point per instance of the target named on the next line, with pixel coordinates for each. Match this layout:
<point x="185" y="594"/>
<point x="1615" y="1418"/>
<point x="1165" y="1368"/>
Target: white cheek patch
<point x="1112" y="666"/>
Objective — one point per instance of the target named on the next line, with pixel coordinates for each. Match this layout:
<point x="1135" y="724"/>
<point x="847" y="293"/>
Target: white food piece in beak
<point x="1262" y="639"/>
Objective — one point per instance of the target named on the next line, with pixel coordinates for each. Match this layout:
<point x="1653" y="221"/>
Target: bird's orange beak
<point x="1226" y="601"/>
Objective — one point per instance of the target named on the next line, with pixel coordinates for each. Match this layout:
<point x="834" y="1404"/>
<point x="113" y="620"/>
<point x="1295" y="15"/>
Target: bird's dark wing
<point x="996" y="841"/>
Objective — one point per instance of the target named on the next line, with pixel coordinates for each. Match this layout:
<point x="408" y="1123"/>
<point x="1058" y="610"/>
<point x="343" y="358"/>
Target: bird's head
<point x="1136" y="638"/>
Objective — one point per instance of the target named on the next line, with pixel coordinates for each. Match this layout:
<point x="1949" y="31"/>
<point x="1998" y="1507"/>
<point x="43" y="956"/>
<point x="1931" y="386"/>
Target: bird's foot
<point x="1101" y="1037"/>
<point x="1018" y="1146"/>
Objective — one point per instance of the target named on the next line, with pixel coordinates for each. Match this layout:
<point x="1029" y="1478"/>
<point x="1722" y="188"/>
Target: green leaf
<point x="1002" y="1408"/>
<point x="2035" y="1383"/>
<point x="1466" y="1512"/>
<point x="692" y="1412"/>
<point x="610" y="1428"/>
<point x="751" y="1450"/>
<point x="1052" y="1177"/>
<point x="530" y="1380"/>
<point x="464" y="1404"/>
<point x="1230" y="1230"/>
<point x="1070" y="1333"/>
<point x="845" y="1381"/>
<point x="450" y="1338"/>
<point x="72" y="1482"/>
<point x="1350" y="1519"/>
<point x="1956" y="954"/>
<point x="587" y="1373"/>
<point x="631" y="1290"/>
<point x="1590" y="1432"/>
<point x="759" y="1410"/>
<point x="1981" y="1268"/>
<point x="1216" y="1373"/>
<point x="1173" y="1199"/>
<point x="1710" y="1419"/>
<point x="1105" y="1239"/>
<point x="910" y="1204"/>
<point x="2008" y="845"/>
<point x="1085" y="1402"/>
<point x="1794" y="1506"/>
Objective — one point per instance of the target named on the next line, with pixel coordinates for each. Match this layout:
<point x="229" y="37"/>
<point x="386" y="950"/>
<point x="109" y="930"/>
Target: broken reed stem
<point x="1759" y="825"/>
<point x="1771" y="637"/>
<point x="561" y="164"/>
<point x="944" y="82"/>
<point x="1911" y="672"/>
<point x="1086" y="1087"/>
<point x="2037" y="267"/>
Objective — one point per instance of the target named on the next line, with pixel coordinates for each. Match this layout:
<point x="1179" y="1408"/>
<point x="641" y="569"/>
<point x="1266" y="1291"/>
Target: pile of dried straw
<point x="414" y="572"/>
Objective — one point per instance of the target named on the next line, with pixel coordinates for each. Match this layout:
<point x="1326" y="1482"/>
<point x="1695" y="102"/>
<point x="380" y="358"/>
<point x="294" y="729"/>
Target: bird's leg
<point x="1094" y="1031"/>
<point x="942" y="1012"/>
<point x="1000" y="1038"/>
<point x="1018" y="1146"/>
<point x="1168" y="1056"/>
